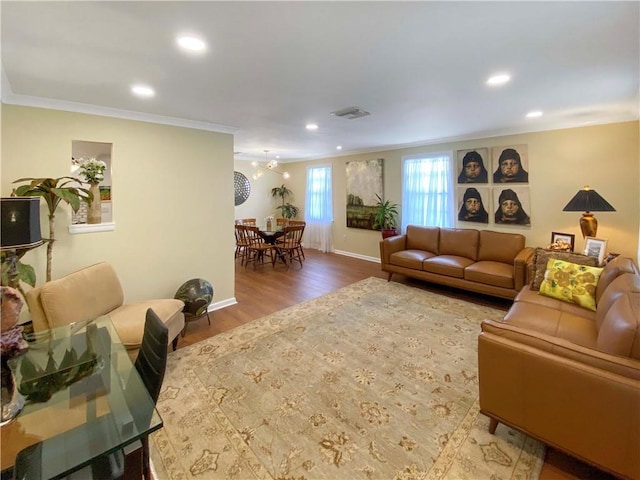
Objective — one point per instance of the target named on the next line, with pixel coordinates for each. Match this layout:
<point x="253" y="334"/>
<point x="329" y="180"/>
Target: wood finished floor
<point x="267" y="290"/>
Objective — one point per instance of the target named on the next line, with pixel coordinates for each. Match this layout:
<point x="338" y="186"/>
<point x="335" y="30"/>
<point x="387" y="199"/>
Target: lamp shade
<point x="20" y="222"/>
<point x="588" y="200"/>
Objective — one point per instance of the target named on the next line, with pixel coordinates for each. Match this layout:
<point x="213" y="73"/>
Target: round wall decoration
<point x="242" y="187"/>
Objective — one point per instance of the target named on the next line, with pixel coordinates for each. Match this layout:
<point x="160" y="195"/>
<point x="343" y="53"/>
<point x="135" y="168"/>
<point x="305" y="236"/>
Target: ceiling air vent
<point x="350" y="113"/>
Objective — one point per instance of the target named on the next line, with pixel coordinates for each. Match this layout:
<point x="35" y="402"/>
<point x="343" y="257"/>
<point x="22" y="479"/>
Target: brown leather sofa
<point x="482" y="261"/>
<point x="95" y="291"/>
<point x="569" y="376"/>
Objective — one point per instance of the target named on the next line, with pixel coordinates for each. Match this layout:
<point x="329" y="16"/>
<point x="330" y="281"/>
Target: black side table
<point x="197" y="295"/>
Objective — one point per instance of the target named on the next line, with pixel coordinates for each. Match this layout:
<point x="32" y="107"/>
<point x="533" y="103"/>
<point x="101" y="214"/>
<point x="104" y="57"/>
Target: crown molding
<point x="10" y="98"/>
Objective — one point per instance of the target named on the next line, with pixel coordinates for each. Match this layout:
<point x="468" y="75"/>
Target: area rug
<point x="375" y="381"/>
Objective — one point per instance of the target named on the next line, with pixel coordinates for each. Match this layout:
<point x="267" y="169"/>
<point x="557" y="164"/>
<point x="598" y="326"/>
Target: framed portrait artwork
<point x="473" y="204"/>
<point x="562" y="241"/>
<point x="595" y="247"/>
<point x="471" y="165"/>
<point x="510" y="164"/>
<point x="511" y="205"/>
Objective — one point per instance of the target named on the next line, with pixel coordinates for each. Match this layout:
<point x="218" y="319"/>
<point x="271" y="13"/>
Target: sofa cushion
<point x="620" y="331"/>
<point x="574" y="328"/>
<point x="423" y="238"/>
<point x="613" y="270"/>
<point x="410" y="258"/>
<point x="500" y="247"/>
<point x="571" y="283"/>
<point x="627" y="282"/>
<point x="130" y="330"/>
<point x="82" y="295"/>
<point x="459" y="242"/>
<point x="542" y="256"/>
<point x="532" y="296"/>
<point x="449" y="265"/>
<point x="490" y="273"/>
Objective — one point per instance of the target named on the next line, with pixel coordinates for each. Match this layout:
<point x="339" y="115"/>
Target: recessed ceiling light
<point x="339" y="147"/>
<point x="192" y="44"/>
<point x="312" y="126"/>
<point x="500" y="79"/>
<point x="534" y="114"/>
<point x="143" y="91"/>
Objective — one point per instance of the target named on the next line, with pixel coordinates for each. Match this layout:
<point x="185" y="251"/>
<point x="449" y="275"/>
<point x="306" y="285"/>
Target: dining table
<point x="83" y="399"/>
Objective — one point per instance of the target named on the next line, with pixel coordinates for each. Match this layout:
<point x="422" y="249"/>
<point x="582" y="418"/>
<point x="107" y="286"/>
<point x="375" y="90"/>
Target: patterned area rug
<point x="374" y="381"/>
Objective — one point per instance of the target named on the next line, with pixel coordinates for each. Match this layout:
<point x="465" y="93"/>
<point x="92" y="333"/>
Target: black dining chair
<point x="151" y="364"/>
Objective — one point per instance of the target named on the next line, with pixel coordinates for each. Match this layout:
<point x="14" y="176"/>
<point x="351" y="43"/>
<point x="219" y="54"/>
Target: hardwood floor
<point x="267" y="290"/>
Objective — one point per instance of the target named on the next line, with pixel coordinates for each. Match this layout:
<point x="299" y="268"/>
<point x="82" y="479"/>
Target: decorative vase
<point x="94" y="213"/>
<point x="12" y="400"/>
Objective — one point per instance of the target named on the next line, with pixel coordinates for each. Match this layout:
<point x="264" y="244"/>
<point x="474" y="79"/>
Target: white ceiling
<point x="271" y="67"/>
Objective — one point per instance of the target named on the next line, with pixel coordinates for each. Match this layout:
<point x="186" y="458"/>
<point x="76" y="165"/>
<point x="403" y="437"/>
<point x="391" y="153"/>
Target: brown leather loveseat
<point x="569" y="376"/>
<point x="483" y="261"/>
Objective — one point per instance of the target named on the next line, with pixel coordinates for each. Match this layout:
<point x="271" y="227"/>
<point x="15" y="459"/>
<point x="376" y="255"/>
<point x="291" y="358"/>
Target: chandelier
<point x="267" y="165"/>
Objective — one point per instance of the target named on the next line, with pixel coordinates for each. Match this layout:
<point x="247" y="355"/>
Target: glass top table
<point x="83" y="399"/>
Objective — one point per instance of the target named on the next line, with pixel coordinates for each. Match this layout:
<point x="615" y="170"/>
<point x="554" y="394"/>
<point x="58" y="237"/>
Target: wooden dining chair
<point x="291" y="244"/>
<point x="242" y="245"/>
<point x="249" y="221"/>
<point x="258" y="249"/>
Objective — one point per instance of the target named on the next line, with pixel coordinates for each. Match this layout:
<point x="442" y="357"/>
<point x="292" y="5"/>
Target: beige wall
<point x="172" y="196"/>
<point x="561" y="162"/>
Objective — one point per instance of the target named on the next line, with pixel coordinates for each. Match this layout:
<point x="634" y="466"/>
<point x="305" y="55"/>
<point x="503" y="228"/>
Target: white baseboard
<point x="357" y="255"/>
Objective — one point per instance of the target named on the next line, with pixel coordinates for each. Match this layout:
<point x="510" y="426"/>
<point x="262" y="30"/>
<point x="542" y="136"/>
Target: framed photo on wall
<point x="562" y="241"/>
<point x="595" y="247"/>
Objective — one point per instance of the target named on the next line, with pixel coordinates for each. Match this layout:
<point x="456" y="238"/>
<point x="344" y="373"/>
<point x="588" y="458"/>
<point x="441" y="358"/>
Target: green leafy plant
<point x="26" y="273"/>
<point x="54" y="191"/>
<point x="286" y="209"/>
<point x="386" y="217"/>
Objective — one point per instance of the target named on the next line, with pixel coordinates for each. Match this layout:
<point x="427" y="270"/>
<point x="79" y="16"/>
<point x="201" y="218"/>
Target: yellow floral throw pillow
<point x="571" y="283"/>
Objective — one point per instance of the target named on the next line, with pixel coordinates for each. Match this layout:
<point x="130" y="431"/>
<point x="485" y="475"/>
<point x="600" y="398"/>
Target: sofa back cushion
<point x="500" y="247"/>
<point x="627" y="282"/>
<point x="423" y="238"/>
<point x="82" y="295"/>
<point x="620" y="330"/>
<point x="611" y="271"/>
<point x="460" y="242"/>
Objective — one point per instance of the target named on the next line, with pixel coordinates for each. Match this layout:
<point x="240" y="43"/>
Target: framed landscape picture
<point x="364" y="182"/>
<point x="595" y="247"/>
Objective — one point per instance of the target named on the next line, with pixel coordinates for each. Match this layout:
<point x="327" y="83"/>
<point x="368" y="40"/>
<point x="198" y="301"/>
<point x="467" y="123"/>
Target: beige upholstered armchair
<point x="95" y="291"/>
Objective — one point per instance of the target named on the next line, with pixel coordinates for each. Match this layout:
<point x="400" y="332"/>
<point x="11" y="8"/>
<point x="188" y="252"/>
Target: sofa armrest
<point x="588" y="411"/>
<point x="36" y="312"/>
<point x="391" y="245"/>
<point x="520" y="267"/>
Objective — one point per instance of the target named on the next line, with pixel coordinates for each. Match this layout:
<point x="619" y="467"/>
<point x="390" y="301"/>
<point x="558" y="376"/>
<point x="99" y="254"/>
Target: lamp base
<point x="588" y="225"/>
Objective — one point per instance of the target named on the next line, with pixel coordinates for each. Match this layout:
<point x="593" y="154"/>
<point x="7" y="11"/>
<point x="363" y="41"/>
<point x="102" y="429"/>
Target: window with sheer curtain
<point x="427" y="192"/>
<point x="319" y="209"/>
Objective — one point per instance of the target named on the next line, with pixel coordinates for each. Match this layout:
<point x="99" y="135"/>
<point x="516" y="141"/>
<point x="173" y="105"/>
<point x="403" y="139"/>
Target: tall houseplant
<point x="386" y="217"/>
<point x="54" y="191"/>
<point x="286" y="209"/>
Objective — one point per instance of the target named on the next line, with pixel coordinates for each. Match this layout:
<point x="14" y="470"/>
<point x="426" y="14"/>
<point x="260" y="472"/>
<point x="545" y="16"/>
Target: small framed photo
<point x="562" y="241"/>
<point x="595" y="247"/>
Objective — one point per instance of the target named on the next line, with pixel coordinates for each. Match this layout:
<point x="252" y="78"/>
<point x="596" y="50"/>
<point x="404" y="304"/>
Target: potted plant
<point x="53" y="190"/>
<point x="286" y="209"/>
<point x="386" y="217"/>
